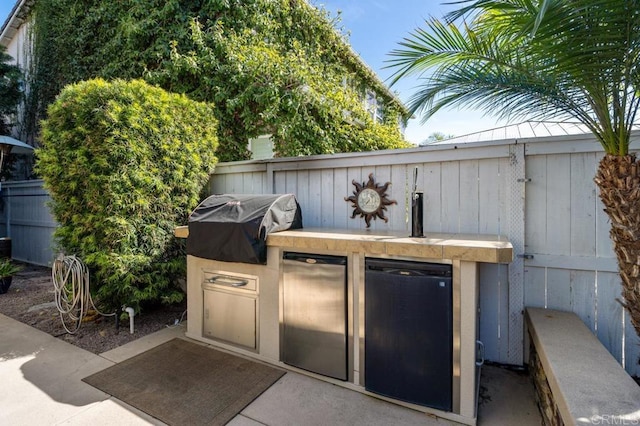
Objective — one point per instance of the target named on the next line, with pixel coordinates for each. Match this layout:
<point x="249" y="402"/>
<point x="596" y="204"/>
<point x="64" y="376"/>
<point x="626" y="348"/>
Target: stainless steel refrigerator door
<point x="315" y="317"/>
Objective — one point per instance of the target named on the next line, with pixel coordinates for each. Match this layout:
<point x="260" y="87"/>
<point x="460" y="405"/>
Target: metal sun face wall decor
<point x="370" y="200"/>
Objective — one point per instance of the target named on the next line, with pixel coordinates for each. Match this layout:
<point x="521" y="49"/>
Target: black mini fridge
<point x="409" y="331"/>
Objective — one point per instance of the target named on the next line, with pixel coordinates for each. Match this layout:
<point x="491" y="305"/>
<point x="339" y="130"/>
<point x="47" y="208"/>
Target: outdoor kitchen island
<point x="264" y="298"/>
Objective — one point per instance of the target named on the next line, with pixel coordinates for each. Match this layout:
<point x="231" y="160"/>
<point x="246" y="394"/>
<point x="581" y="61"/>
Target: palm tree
<point x="546" y="59"/>
<point x="435" y="137"/>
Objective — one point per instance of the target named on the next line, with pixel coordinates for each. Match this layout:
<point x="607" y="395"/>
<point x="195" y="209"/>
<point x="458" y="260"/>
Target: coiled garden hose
<point x="70" y="278"/>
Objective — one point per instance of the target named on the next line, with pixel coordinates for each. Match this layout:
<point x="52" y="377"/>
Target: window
<point x="374" y="107"/>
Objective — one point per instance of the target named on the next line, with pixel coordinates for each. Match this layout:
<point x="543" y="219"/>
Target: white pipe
<point x="131" y="313"/>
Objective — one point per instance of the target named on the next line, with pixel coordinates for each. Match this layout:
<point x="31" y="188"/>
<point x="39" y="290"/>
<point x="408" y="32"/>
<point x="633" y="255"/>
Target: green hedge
<point x="125" y="162"/>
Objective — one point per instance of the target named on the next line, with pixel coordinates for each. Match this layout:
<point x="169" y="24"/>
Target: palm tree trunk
<point x="619" y="181"/>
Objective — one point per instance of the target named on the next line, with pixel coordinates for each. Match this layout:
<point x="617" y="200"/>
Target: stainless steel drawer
<point x="230" y="317"/>
<point x="230" y="308"/>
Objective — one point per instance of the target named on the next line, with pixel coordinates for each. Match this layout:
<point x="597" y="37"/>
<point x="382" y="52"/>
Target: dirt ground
<point x="31" y="300"/>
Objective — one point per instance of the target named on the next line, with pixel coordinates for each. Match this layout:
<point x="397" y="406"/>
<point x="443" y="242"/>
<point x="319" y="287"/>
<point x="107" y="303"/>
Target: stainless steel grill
<point x="234" y="228"/>
<point x="227" y="264"/>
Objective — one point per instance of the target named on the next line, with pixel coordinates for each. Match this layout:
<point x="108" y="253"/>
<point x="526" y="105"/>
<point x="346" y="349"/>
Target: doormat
<point x="181" y="382"/>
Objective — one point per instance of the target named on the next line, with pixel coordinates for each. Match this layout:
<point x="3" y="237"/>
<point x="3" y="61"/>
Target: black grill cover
<point x="234" y="228"/>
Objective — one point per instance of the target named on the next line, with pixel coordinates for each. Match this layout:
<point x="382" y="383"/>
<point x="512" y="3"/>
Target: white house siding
<point x="16" y="42"/>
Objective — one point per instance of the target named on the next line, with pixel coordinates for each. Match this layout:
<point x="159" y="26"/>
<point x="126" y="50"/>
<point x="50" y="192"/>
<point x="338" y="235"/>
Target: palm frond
<point x="539" y="59"/>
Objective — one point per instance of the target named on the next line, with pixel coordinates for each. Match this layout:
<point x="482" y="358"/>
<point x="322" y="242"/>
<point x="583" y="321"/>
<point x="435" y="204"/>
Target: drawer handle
<point x="228" y="281"/>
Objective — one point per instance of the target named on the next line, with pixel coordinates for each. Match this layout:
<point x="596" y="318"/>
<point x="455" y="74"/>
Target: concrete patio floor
<point x="41" y="376"/>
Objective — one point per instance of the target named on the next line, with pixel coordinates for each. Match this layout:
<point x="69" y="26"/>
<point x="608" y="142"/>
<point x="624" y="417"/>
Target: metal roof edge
<point x="20" y="9"/>
<point x="568" y="129"/>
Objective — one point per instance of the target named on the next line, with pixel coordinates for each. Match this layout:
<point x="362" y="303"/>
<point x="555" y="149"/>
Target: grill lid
<point x="234" y="227"/>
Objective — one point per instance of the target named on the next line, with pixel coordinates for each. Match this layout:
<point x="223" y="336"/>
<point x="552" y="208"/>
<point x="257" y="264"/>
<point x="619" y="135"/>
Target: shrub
<point x="125" y="163"/>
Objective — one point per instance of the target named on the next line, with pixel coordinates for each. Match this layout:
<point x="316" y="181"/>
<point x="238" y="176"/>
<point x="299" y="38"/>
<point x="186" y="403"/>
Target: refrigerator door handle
<point x="480" y="361"/>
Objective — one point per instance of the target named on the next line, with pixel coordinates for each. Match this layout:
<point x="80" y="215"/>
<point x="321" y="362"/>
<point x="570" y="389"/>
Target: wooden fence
<point x="25" y="218"/>
<point x="539" y="193"/>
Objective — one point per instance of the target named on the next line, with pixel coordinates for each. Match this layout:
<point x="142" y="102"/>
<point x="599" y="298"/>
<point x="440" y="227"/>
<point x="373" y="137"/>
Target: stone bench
<point x="578" y="382"/>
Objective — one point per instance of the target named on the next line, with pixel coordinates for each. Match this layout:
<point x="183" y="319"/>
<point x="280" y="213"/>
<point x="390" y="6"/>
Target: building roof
<point x="15" y="20"/>
<point x="524" y="130"/>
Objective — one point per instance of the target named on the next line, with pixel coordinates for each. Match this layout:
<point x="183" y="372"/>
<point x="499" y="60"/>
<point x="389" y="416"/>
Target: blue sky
<point x="375" y="27"/>
<point x="5" y="8"/>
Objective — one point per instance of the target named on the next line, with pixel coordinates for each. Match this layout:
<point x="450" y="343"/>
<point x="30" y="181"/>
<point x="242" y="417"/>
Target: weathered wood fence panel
<point x="25" y="218"/>
<point x="467" y="191"/>
<point x="567" y="232"/>
<point x="477" y="189"/>
<point x="464" y="192"/>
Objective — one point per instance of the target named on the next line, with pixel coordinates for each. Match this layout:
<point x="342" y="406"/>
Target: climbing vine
<point x="269" y="66"/>
<point x="10" y="90"/>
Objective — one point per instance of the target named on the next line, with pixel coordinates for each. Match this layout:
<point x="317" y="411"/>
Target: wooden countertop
<point x="471" y="247"/>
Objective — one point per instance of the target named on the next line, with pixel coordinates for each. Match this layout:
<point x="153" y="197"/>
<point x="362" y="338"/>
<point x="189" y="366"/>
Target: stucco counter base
<point x="463" y="252"/>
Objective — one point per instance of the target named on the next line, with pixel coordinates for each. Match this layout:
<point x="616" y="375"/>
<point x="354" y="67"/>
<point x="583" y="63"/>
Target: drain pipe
<point x="131" y="313"/>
